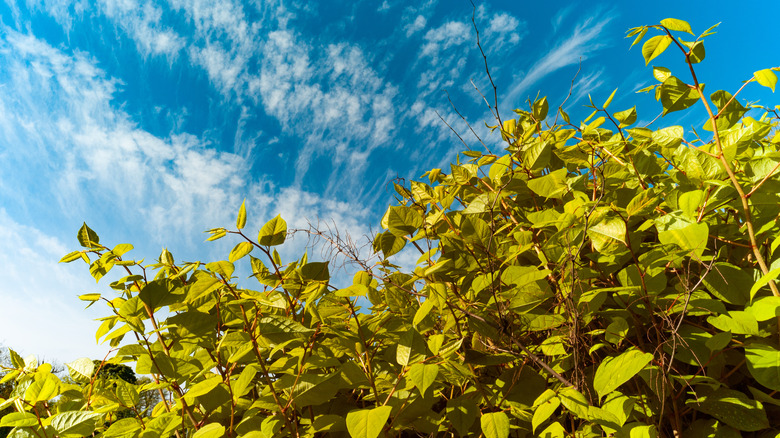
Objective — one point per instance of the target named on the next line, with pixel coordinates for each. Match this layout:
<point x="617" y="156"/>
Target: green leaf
<point x="678" y="25"/>
<point x="575" y="402"/>
<point x="692" y="238"/>
<point x="661" y="73"/>
<point x="239" y="251"/>
<point x="124" y="428"/>
<point x="88" y="238"/>
<point x="127" y="393"/>
<point x="402" y="221"/>
<point x="241" y="219"/>
<point x="727" y="282"/>
<point x="552" y="185"/>
<point x="669" y="137"/>
<point x="242" y="384"/>
<point x="121" y="249"/>
<point x="540" y="109"/>
<point x="312" y="389"/>
<point x="216" y="233"/>
<point x="388" y="243"/>
<point x="204" y="284"/>
<point x="71" y="256"/>
<point x="737" y="322"/>
<point x="655" y="46"/>
<point x="315" y="271"/>
<point x="626" y="118"/>
<point x="495" y="425"/>
<point x="367" y="423"/>
<point x="42" y="389"/>
<point x="77" y="423"/>
<point x="643" y="203"/>
<point x="731" y="112"/>
<point x="765" y="308"/>
<point x="767" y="78"/>
<point x="89" y="297"/>
<point x="544" y="411"/>
<point x="461" y="413"/>
<point x="763" y="362"/>
<point x="423" y="375"/>
<point x="423" y="311"/>
<point x="609" y="99"/>
<point x="733" y="408"/>
<point x="18" y="419"/>
<point x="554" y="430"/>
<point x="211" y="430"/>
<point x="615" y="371"/>
<point x="676" y="95"/>
<point x="642" y="31"/>
<point x="697" y="52"/>
<point x="608" y="235"/>
<point x="763" y="281"/>
<point x="274" y="232"/>
<point x="222" y="267"/>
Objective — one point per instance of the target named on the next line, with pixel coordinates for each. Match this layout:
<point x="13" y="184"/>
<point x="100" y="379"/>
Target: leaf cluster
<point x="597" y="279"/>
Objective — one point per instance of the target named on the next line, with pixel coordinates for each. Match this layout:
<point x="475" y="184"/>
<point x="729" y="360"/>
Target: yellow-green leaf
<point x="615" y="371"/>
<point x="678" y="25"/>
<point x="609" y="99"/>
<point x="71" y="256"/>
<point x="18" y="419"/>
<point x="239" y="251"/>
<point x="767" y="78"/>
<point x="655" y="46"/>
<point x="367" y="423"/>
<point x="241" y="220"/>
<point x="274" y="232"/>
<point x="211" y="430"/>
<point x="78" y="423"/>
<point x="495" y="425"/>
<point x="544" y="411"/>
<point x="423" y="375"/>
<point x="81" y="370"/>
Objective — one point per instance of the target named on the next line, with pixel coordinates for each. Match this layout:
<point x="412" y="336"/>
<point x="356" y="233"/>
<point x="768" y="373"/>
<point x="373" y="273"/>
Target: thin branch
<point x="487" y="68"/>
<point x="467" y="123"/>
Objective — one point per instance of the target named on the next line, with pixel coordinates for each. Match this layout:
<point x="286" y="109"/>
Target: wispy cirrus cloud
<point x="143" y="23"/>
<point x="345" y="106"/>
<point x="583" y="42"/>
<point x="587" y="84"/>
<point x="85" y="150"/>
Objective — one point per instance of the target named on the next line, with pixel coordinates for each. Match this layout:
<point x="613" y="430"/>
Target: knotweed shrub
<point x="596" y="278"/>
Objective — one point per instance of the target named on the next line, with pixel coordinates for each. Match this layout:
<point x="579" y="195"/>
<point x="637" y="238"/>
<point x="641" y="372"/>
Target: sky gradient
<point x="152" y="122"/>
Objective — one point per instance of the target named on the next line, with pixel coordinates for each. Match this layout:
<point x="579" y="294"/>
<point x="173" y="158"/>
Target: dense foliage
<point x="599" y="278"/>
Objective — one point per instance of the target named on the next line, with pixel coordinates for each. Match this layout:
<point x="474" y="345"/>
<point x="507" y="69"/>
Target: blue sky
<point x="152" y="122"/>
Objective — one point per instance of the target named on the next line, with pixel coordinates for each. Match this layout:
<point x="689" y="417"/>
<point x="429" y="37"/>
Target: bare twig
<point x="487" y="68"/>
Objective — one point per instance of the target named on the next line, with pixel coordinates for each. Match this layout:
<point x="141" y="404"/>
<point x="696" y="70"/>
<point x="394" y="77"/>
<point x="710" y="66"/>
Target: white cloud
<point x="143" y="23"/>
<point x="502" y="30"/>
<point x="586" y="84"/>
<point x="335" y="101"/>
<point x="449" y="34"/>
<point x="560" y="16"/>
<point x="40" y="314"/>
<point x="583" y="41"/>
<point x="415" y="26"/>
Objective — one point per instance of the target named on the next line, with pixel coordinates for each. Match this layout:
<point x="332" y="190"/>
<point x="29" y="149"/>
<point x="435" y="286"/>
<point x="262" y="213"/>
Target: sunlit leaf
<point x="367" y="423"/>
<point x="617" y="370"/>
<point x="655" y="46"/>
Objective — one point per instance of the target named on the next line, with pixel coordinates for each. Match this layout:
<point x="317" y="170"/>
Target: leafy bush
<point x="598" y="278"/>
